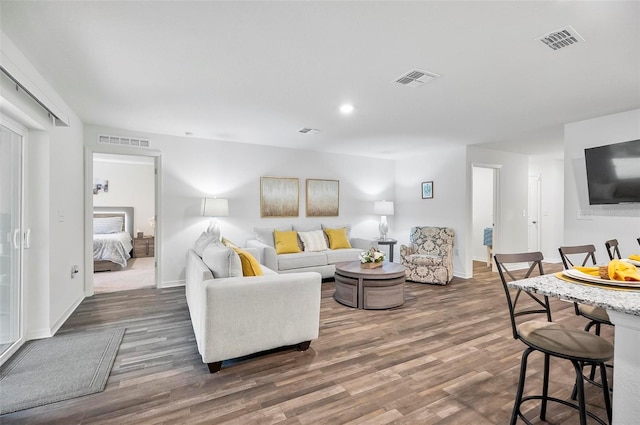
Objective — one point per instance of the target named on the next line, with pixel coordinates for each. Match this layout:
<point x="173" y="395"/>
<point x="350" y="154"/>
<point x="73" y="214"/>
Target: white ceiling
<point x="256" y="72"/>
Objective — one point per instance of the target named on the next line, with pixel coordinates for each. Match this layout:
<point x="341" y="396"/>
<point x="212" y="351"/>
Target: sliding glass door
<point x="10" y="240"/>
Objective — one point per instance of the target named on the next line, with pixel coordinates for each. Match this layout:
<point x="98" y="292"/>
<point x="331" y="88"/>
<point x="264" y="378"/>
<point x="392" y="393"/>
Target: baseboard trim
<point x="58" y="324"/>
<point x="172" y="284"/>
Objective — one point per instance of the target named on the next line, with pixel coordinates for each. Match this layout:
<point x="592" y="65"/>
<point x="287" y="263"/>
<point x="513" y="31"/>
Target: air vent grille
<point x="127" y="141"/>
<point x="563" y="37"/>
<point x="415" y="78"/>
<point x="307" y="130"/>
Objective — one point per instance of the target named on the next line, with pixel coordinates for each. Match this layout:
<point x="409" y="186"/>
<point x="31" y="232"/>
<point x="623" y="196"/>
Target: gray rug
<point x="58" y="368"/>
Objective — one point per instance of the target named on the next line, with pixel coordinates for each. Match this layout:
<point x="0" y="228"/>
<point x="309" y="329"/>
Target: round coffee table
<point x="377" y="289"/>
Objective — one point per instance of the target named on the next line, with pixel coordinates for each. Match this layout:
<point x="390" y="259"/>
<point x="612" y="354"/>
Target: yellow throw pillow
<point x="338" y="238"/>
<point x="250" y="266"/>
<point x="226" y="242"/>
<point x="286" y="242"/>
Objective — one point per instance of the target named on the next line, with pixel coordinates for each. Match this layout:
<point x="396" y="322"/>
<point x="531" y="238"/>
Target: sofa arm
<point x="245" y="315"/>
<point x="406" y="250"/>
<point x="363" y="243"/>
<point x="266" y="254"/>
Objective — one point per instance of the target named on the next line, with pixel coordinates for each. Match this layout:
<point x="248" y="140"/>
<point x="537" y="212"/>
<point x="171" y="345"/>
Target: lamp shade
<point x="383" y="207"/>
<point x="215" y="207"/>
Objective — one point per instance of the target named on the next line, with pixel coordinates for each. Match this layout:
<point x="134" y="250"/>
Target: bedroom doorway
<point x="485" y="220"/>
<point x="122" y="205"/>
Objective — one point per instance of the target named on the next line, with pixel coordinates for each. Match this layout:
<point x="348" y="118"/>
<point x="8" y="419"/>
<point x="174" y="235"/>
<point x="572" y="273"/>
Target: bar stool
<point x="552" y="340"/>
<point x="597" y="315"/>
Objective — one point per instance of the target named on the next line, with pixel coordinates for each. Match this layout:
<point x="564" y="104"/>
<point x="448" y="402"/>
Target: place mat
<point x="618" y="286"/>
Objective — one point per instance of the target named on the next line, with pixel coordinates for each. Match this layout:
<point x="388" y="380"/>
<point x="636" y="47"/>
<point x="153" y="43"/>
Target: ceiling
<point x="257" y="72"/>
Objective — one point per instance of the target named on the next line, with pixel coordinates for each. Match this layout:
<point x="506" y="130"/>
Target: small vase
<point x="370" y="265"/>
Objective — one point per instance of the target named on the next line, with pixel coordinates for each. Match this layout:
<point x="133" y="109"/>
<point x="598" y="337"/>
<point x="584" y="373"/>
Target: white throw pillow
<point x="222" y="261"/>
<point x="105" y="225"/>
<point x="314" y="240"/>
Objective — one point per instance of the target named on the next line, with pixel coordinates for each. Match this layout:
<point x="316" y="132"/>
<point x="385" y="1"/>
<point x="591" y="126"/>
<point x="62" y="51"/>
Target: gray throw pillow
<point x="201" y="243"/>
<point x="222" y="261"/>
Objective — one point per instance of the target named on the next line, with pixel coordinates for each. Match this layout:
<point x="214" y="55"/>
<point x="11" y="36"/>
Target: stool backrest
<point x="541" y="303"/>
<point x="612" y="249"/>
<point x="569" y="252"/>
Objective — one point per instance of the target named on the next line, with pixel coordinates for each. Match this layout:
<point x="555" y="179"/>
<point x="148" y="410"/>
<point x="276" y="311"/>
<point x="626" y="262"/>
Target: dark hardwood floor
<point x="445" y="357"/>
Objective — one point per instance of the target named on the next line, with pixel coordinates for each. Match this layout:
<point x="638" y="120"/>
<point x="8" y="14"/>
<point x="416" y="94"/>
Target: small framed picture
<point x="427" y="190"/>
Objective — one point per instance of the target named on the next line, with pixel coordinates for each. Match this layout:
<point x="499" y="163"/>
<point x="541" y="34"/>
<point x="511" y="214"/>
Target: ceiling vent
<point x="127" y="141"/>
<point x="415" y="78"/>
<point x="564" y="37"/>
<point x="306" y="130"/>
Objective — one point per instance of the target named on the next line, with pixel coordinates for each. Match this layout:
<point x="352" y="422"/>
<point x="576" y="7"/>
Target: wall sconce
<point x="215" y="207"/>
<point x="383" y="208"/>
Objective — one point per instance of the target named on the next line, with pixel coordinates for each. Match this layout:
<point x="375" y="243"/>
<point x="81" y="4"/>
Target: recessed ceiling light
<point x="347" y="108"/>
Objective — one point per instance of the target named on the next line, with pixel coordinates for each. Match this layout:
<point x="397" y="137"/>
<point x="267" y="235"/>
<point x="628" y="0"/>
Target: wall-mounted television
<point x="613" y="173"/>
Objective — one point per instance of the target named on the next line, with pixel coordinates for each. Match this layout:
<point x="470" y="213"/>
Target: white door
<point x="534" y="214"/>
<point x="10" y="241"/>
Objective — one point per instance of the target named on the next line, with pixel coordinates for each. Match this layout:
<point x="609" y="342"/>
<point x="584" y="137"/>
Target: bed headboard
<point x="127" y="212"/>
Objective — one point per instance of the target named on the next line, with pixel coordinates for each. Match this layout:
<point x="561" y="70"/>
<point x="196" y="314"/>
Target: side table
<point x="144" y="247"/>
<point x="390" y="242"/>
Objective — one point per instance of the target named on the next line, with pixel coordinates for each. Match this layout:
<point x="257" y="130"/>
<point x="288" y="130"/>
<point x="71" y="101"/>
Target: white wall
<point x="446" y="167"/>
<point x="551" y="172"/>
<point x="594" y="224"/>
<point x="131" y="184"/>
<point x="53" y="202"/>
<point x="193" y="169"/>
<point x="510" y="233"/>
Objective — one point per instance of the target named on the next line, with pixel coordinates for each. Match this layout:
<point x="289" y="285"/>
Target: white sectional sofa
<point x="240" y="315"/>
<point x="322" y="262"/>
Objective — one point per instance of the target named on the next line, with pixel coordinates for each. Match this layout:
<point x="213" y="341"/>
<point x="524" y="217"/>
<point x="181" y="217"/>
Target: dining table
<point x="623" y="306"/>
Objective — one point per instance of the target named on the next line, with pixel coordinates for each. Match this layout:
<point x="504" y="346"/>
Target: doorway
<point x="485" y="225"/>
<point x="11" y="241"/>
<point x="123" y="185"/>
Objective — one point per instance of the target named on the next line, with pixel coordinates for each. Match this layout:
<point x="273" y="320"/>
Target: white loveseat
<point x="322" y="262"/>
<point x="236" y="316"/>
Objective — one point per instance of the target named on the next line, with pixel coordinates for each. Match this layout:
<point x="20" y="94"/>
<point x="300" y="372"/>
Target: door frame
<point x="537" y="194"/>
<point x="88" y="210"/>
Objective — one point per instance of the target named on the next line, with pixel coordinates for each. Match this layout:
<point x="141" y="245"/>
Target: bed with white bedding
<point x="112" y="238"/>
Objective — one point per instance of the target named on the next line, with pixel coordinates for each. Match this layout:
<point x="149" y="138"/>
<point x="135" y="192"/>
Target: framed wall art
<point x="427" y="190"/>
<point x="323" y="198"/>
<point x="279" y="197"/>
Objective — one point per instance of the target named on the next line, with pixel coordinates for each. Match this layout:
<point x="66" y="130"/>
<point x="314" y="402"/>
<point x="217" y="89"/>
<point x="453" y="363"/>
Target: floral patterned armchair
<point x="429" y="257"/>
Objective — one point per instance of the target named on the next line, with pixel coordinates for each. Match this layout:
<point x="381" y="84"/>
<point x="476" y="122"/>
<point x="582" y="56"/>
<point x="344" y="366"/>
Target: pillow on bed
<point x="104" y="225"/>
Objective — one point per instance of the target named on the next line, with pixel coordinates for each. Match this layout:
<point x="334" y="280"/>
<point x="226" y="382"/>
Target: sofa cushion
<point x="338" y="238"/>
<point x="313" y="241"/>
<point x="286" y="242"/>
<point x="340" y="255"/>
<point x="250" y="266"/>
<point x="265" y="234"/>
<point x="302" y="259"/>
<point x="201" y="243"/>
<point x="307" y="228"/>
<point x="222" y="261"/>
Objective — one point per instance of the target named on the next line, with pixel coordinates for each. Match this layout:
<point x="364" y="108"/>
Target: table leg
<point x="626" y="368"/>
<point x="361" y="293"/>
